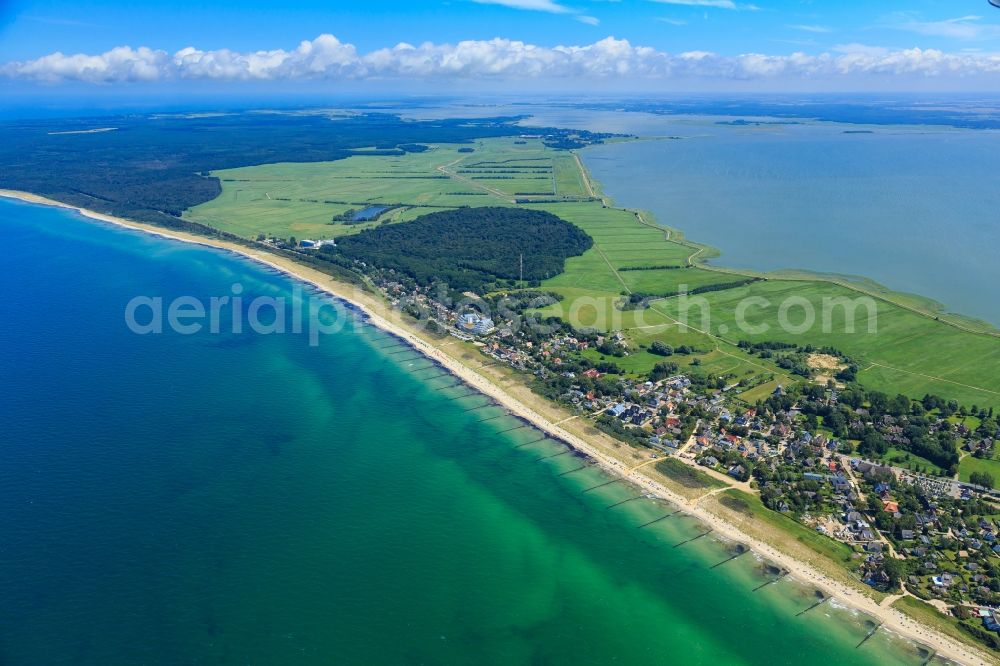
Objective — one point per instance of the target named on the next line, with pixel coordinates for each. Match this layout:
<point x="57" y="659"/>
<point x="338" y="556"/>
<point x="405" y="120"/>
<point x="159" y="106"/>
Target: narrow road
<point x="845" y="462"/>
<point x="939" y="379"/>
<point x="691" y="440"/>
<point x="643" y="464"/>
<point x="471" y="183"/>
<point x="584" y="176"/>
<point x="617" y="275"/>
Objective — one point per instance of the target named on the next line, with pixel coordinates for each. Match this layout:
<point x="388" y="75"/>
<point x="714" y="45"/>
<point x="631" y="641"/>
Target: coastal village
<point x="910" y="526"/>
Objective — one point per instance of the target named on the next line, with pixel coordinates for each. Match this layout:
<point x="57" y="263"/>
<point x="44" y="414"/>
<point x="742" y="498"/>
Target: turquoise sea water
<point x="244" y="498"/>
<point x="916" y="209"/>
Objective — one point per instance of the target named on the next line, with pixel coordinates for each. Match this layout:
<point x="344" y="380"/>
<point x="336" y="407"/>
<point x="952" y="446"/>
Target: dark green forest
<point x="470" y="248"/>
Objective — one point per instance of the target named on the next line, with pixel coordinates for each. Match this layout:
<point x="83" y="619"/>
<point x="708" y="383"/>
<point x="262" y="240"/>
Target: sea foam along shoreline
<point x="380" y="315"/>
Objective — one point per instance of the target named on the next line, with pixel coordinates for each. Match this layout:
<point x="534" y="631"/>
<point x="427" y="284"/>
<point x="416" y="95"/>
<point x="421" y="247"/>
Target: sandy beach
<point x="382" y="316"/>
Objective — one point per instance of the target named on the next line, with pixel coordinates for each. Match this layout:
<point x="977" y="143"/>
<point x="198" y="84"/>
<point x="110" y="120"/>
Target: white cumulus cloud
<point x="717" y="4"/>
<point x="721" y="4"/>
<point x="819" y="29"/>
<point x="326" y="58"/>
<point x="122" y="63"/>
<point x="962" y="27"/>
<point x="533" y="5"/>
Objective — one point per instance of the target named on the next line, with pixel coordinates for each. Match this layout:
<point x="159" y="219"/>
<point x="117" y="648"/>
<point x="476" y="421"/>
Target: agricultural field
<point x="667" y="283"/>
<point x="301" y="199"/>
<point x="905" y="353"/>
<point x="523" y="168"/>
<point x="908" y="352"/>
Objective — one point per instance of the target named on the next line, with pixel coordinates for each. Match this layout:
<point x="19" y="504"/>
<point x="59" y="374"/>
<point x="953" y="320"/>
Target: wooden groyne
<point x="517" y="427"/>
<point x="403" y="351"/>
<point x="601" y="485"/>
<point x="772" y="581"/>
<point x="462" y="395"/>
<point x="669" y="515"/>
<point x="555" y="455"/>
<point x="818" y="603"/>
<point x="730" y="558"/>
<point x="870" y="634"/>
<point x="611" y="506"/>
<point x="534" y="441"/>
<point x="694" y="538"/>
<point x="448" y="386"/>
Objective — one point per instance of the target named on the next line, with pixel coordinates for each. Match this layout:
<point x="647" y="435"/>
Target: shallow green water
<point x="251" y="499"/>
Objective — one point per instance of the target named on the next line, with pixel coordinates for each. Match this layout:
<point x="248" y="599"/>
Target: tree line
<point x="470" y="248"/>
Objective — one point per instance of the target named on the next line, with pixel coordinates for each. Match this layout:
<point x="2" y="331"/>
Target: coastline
<point x="379" y="314"/>
<point x="703" y="254"/>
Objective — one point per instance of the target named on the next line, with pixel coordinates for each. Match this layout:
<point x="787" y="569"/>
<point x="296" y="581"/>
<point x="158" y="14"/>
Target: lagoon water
<point x="917" y="209"/>
<point x="244" y="498"/>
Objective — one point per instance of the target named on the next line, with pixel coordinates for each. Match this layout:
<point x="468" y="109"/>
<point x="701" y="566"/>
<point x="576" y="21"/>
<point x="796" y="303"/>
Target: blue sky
<point x="834" y="32"/>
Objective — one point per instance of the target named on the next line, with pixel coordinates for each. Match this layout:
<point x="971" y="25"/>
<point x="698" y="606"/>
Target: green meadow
<point x="301" y="198"/>
<point x="898" y="351"/>
<point x="759" y="392"/>
<point x="970" y="464"/>
<point x="911" y="461"/>
<point x="904" y="351"/>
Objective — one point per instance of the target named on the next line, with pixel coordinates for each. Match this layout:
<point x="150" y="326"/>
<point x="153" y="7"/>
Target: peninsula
<point x="714" y="423"/>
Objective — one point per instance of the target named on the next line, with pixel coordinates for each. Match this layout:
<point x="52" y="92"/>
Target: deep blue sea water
<point x="244" y="498"/>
